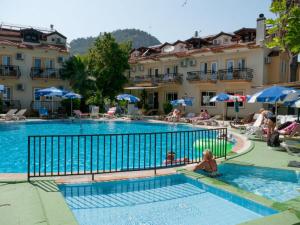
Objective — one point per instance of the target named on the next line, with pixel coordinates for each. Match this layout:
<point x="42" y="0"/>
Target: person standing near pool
<point x="270" y="121"/>
<point x="208" y="164"/>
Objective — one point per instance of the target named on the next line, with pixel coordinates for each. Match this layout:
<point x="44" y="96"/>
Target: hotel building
<point x="31" y="59"/>
<point x="200" y="67"/>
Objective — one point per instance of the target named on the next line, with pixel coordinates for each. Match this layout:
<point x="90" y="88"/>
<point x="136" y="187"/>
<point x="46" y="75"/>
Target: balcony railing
<point x="168" y="78"/>
<point x="245" y="74"/>
<point x="203" y="76"/>
<point x="49" y="105"/>
<point x="49" y="73"/>
<point x="158" y="78"/>
<point x="9" y="71"/>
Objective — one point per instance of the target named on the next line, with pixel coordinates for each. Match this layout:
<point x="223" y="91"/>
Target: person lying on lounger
<point x="208" y="164"/>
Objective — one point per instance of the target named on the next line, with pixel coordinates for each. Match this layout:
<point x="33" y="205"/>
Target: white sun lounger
<point x="9" y="115"/>
<point x="20" y="115"/>
<point x="292" y="146"/>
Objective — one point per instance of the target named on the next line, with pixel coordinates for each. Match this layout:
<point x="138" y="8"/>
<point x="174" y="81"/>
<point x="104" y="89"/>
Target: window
<point x="156" y="72"/>
<point x="149" y="71"/>
<point x="170" y="96"/>
<point x="6" y="60"/>
<point x="37" y="62"/>
<point x="203" y="67"/>
<point x="283" y="68"/>
<point x="241" y="64"/>
<point x="215" y="42"/>
<point x="38" y="98"/>
<point x="225" y="40"/>
<point x="214" y="67"/>
<point x="205" y="98"/>
<point x="231" y="104"/>
<point x="7" y="93"/>
<point x="49" y="63"/>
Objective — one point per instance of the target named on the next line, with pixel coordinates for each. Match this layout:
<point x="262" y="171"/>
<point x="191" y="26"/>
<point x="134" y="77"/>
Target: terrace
<point x="237" y="74"/>
<point x="202" y="76"/>
<point x="157" y="79"/>
<point x="10" y="71"/>
<point x="48" y="73"/>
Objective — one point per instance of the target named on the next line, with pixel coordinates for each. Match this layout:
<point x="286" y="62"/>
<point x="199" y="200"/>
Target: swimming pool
<point x="13" y="136"/>
<point x="173" y="199"/>
<point x="275" y="184"/>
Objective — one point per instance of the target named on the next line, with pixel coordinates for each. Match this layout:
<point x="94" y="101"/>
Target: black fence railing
<point x="49" y="105"/>
<point x="9" y="71"/>
<point x="64" y="155"/>
<point x="245" y="74"/>
<point x="49" y="73"/>
<point x="158" y="78"/>
<point x="205" y="76"/>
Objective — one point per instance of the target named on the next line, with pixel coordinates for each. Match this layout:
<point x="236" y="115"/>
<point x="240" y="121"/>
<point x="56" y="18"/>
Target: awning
<point x="1" y="87"/>
<point x="139" y="88"/>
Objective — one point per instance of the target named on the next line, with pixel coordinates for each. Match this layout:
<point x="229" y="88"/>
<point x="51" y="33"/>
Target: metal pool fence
<point x="65" y="155"/>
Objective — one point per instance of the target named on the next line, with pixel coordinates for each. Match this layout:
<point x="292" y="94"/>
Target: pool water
<point x="173" y="199"/>
<point x="275" y="184"/>
<point x="13" y="136"/>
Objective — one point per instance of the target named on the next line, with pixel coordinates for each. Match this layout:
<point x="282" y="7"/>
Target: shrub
<point x="66" y="104"/>
<point x="167" y="107"/>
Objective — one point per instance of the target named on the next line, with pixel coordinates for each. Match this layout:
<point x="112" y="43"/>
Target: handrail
<point x="236" y="74"/>
<point x="10" y="71"/>
<point x="38" y="72"/>
<point x="90" y="154"/>
<point x="158" y="78"/>
<point x="202" y="75"/>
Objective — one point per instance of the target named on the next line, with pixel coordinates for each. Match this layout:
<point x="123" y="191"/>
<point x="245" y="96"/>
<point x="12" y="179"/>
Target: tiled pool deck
<point x="40" y="202"/>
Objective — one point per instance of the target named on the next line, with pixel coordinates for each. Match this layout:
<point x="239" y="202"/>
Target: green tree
<point x="284" y="30"/>
<point x="108" y="62"/>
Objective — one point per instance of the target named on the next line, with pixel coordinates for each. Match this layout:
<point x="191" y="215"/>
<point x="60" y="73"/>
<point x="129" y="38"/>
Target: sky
<point x="168" y="20"/>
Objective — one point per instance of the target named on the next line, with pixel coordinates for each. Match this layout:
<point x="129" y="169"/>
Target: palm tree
<point x="75" y="70"/>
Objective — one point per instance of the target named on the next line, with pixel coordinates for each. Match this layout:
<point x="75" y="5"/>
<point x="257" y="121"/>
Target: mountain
<point x="137" y="37"/>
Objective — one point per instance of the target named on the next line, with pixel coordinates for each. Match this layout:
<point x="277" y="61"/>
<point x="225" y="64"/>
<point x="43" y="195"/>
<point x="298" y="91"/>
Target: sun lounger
<point x="111" y="113"/>
<point x="291" y="145"/>
<point x="9" y="115"/>
<point x="291" y="130"/>
<point x="252" y="129"/>
<point x="187" y="118"/>
<point x="95" y="112"/>
<point x="79" y="114"/>
<point x="20" y="115"/>
<point x="209" y="122"/>
<point x="247" y="120"/>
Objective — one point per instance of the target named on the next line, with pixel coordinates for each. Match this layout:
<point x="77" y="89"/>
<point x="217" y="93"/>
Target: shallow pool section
<point x="275" y="184"/>
<point x="174" y="199"/>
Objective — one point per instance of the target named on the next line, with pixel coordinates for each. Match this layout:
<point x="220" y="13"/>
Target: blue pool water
<point x="174" y="199"/>
<point x="275" y="184"/>
<point x="13" y="138"/>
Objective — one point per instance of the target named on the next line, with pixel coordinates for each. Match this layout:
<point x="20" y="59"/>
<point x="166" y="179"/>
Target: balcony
<point x="47" y="73"/>
<point x="236" y="74"/>
<point x="9" y="71"/>
<point x="168" y="78"/>
<point x="202" y="76"/>
<point x="157" y="79"/>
